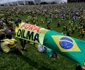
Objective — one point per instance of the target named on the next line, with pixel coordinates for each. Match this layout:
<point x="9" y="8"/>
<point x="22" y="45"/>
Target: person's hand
<point x="83" y="68"/>
<point x="22" y="53"/>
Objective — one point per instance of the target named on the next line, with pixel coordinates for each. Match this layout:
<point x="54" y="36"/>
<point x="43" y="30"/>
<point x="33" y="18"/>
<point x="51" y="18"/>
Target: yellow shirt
<point x="7" y="44"/>
<point x="36" y="45"/>
<point x="16" y="29"/>
<point x="13" y="43"/>
<point x="4" y="46"/>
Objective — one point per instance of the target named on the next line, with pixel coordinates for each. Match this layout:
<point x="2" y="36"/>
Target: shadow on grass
<point x="34" y="64"/>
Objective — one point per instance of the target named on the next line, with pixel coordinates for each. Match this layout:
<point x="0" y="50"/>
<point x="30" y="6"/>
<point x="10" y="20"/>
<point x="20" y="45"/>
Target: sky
<point x="5" y="1"/>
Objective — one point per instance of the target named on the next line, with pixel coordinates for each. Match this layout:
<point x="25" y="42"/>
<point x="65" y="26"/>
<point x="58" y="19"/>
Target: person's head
<point x="9" y="35"/>
<point x="2" y="36"/>
<point x="79" y="68"/>
<point x="1" y="24"/>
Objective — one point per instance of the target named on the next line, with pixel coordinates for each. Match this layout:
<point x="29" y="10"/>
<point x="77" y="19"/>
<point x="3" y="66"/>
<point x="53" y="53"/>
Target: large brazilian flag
<point x="69" y="47"/>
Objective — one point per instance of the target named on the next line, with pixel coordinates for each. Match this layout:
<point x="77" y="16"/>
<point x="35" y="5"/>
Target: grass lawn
<point x="33" y="60"/>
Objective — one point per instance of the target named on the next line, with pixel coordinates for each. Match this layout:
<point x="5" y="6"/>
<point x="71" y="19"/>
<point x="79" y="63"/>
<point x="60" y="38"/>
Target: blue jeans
<point x="12" y="50"/>
<point x="0" y="48"/>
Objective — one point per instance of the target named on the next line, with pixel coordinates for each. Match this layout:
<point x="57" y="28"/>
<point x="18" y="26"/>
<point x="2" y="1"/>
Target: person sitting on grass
<point x="9" y="44"/>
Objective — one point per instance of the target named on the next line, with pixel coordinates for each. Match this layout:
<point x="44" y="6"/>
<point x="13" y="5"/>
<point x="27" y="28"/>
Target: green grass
<point x="33" y="60"/>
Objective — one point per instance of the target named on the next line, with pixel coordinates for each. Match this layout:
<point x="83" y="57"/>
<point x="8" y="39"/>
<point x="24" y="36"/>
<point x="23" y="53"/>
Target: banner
<point x="69" y="47"/>
<point x="31" y="32"/>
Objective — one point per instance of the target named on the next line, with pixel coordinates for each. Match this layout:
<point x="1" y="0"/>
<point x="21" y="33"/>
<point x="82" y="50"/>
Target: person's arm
<point x="20" y="50"/>
<point x="83" y="67"/>
<point x="1" y="41"/>
<point x="12" y="43"/>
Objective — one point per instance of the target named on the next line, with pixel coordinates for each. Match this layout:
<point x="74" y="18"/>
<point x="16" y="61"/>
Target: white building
<point x="29" y="1"/>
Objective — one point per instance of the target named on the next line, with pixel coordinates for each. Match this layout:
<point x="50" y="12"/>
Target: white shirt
<point x="41" y="48"/>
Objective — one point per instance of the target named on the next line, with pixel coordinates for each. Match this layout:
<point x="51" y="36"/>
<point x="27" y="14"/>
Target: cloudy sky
<point x="5" y="1"/>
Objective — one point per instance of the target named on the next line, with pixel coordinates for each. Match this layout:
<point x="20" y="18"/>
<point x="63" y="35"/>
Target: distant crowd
<point x="71" y="17"/>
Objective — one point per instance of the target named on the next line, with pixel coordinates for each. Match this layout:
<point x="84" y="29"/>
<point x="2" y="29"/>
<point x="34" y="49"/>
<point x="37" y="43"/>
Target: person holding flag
<point x="22" y="42"/>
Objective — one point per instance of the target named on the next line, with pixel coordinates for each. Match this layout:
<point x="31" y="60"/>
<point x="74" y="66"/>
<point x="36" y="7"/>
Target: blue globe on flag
<point x="66" y="43"/>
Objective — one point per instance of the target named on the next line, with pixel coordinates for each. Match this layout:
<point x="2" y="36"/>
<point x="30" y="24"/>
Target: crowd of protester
<point x="71" y="17"/>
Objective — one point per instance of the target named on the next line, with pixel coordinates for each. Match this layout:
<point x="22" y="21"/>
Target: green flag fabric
<point x="71" y="48"/>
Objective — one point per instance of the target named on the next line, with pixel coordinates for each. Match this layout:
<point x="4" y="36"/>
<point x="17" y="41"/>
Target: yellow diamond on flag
<point x="66" y="44"/>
